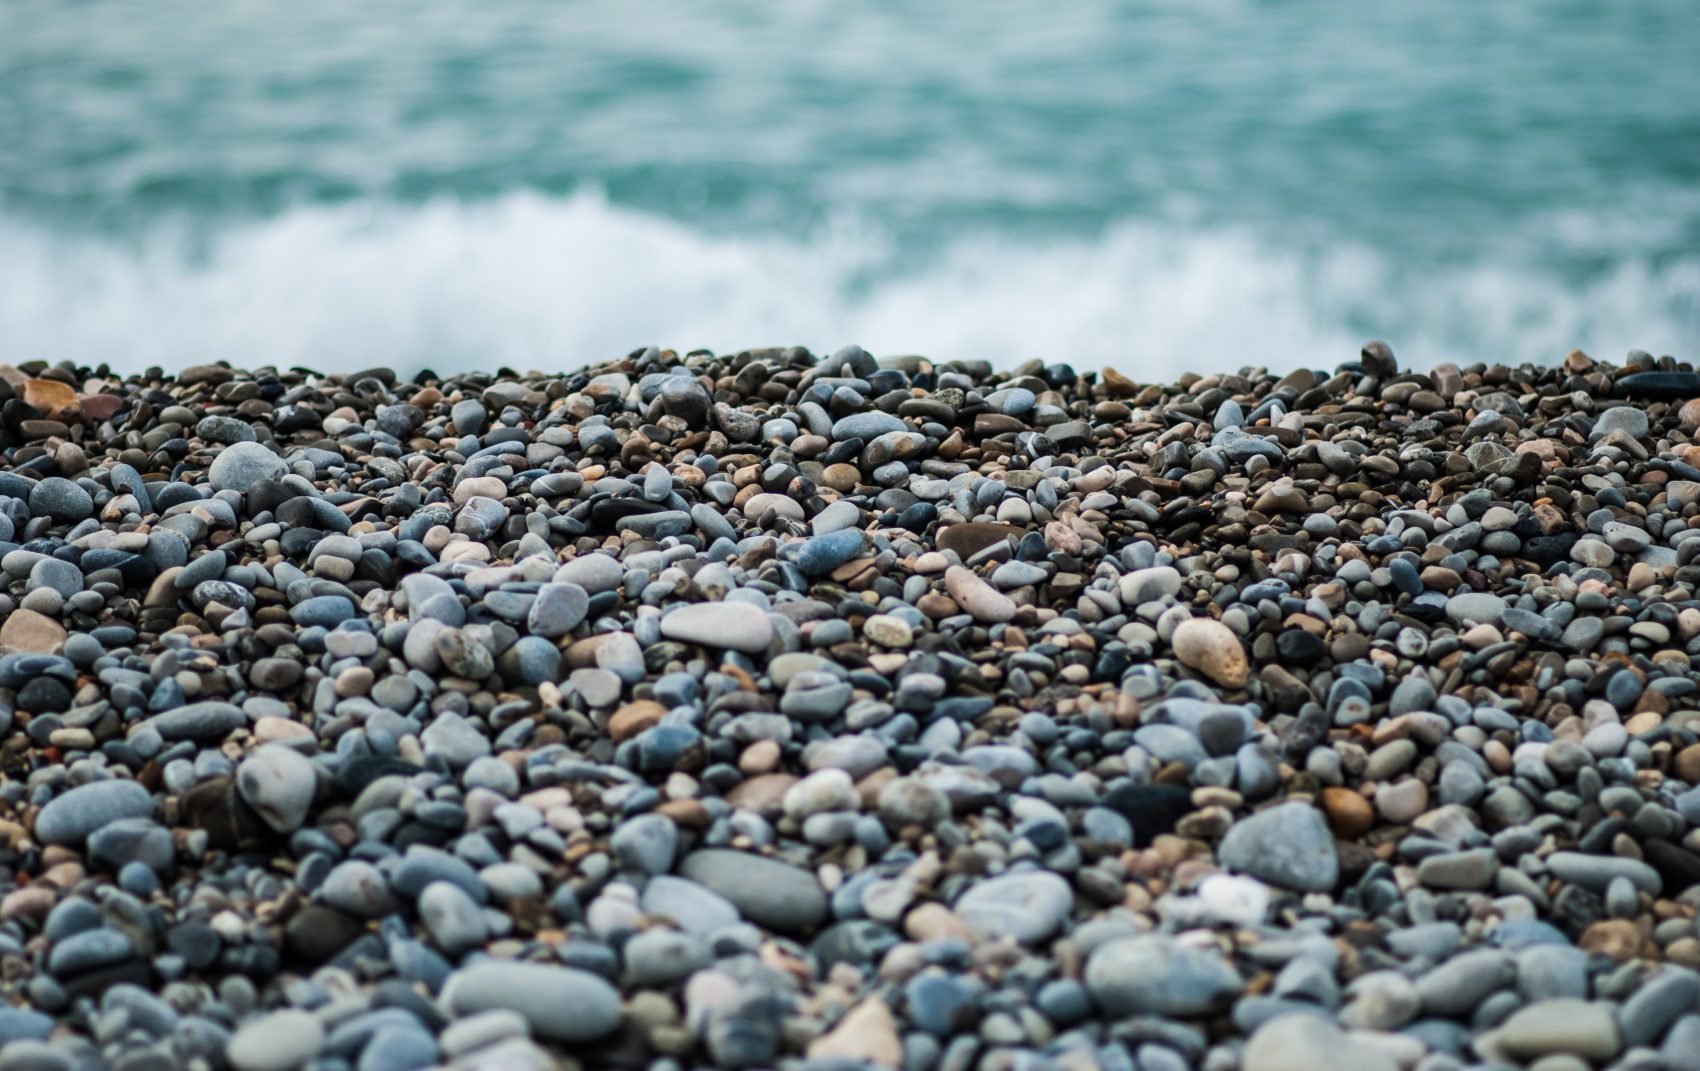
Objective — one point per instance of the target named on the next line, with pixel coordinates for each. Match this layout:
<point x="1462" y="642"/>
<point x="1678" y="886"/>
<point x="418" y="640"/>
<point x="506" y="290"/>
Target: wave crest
<point x="548" y="283"/>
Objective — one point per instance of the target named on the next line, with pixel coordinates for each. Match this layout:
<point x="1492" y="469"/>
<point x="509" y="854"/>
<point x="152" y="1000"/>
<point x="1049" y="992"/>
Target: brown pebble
<point x="1348" y="813"/>
<point x="634" y="718"/>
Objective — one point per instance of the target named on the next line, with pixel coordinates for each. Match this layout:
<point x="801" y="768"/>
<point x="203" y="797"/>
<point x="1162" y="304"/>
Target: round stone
<point x="1288" y="845"/>
<point x="279" y="783"/>
<point x="1211" y="648"/>
<point x="766" y="891"/>
<point x="240" y="466"/>
<point x="1029" y="906"/>
<point x="61" y="499"/>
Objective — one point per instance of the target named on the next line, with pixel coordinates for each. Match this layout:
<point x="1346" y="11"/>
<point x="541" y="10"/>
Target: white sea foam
<point x="534" y="282"/>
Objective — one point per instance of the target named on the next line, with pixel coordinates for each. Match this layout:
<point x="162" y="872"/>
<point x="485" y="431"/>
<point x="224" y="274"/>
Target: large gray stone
<point x="72" y="815"/>
<point x="766" y="891"/>
<point x="240" y="466"/>
<point x="1157" y="975"/>
<point x="560" y="1003"/>
<point x="1028" y="905"/>
<point x="1288" y="845"/>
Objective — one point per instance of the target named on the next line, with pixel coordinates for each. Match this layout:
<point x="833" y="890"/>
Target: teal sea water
<point x="1158" y="186"/>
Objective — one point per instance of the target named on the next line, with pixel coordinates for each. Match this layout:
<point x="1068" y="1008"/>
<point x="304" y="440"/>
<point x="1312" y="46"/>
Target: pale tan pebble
<point x="830" y="876"/>
<point x="681" y="786"/>
<point x="64" y="875"/>
<point x="339" y="569"/>
<point x="1644" y="722"/>
<point x="1641" y="576"/>
<point x="977" y="598"/>
<point x="543" y="799"/>
<point x="31" y="901"/>
<point x="935" y="562"/>
<point x="1401" y="801"/>
<point x="887" y="663"/>
<point x="866" y="1033"/>
<point x="888" y="630"/>
<point x="1688" y="622"/>
<point x="1062" y="539"/>
<point x="564" y="819"/>
<point x="436" y="538"/>
<point x="785" y="506"/>
<point x="481" y="805"/>
<point x="72" y="739"/>
<point x="465" y="552"/>
<point x="411" y="750"/>
<point x="354" y="681"/>
<point x="1684" y="952"/>
<point x="1598" y="712"/>
<point x="1497" y="756"/>
<point x="1096" y="480"/>
<point x="26" y="630"/>
<point x="760" y="757"/>
<point x="1211" y="648"/>
<point x="1482" y="636"/>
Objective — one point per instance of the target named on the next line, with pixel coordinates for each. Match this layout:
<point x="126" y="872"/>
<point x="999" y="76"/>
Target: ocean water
<point x="1156" y="186"/>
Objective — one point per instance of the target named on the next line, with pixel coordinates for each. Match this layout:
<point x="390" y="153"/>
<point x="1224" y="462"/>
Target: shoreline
<point x="771" y="710"/>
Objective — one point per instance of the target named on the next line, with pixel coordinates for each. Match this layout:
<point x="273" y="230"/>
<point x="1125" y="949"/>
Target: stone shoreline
<point x="764" y="711"/>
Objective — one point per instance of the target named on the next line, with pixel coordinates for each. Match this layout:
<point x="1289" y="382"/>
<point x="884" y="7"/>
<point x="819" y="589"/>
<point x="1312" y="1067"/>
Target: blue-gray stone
<point x="766" y="891"/>
<point x="71" y="816"/>
<point x="1288" y="845"/>
<point x="324" y="611"/>
<point x="866" y="425"/>
<point x="560" y="1003"/>
<point x="557" y="609"/>
<point x="89" y="950"/>
<point x="207" y="720"/>
<point x="824" y="553"/>
<point x="1156" y="975"/>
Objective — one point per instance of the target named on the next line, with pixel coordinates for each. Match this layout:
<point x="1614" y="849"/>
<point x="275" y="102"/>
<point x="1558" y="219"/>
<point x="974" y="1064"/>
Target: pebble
<point x="279" y="783"/>
<point x="561" y="1003"/>
<point x="1209" y="647"/>
<point x="281" y="1041"/>
<point x="1157" y="975"/>
<point x="1028" y="906"/>
<point x="766" y="891"/>
<point x="1306" y="1042"/>
<point x="1289" y="845"/>
<point x="977" y="598"/>
<point x="70" y="817"/>
<point x="239" y="466"/>
<point x="733" y="626"/>
<point x="1574" y="1027"/>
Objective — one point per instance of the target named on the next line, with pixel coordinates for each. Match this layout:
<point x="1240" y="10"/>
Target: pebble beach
<point x="774" y="710"/>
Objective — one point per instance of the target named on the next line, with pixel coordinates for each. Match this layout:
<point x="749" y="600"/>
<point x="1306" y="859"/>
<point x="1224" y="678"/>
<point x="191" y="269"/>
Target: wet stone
<point x="757" y="709"/>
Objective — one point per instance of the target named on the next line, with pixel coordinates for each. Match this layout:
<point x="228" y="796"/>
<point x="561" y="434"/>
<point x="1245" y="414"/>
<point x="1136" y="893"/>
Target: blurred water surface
<point x="1159" y="186"/>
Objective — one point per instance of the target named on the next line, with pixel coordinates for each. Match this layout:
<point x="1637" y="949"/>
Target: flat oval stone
<point x="766" y="891"/>
<point x="280" y="1041"/>
<point x="1029" y="906"/>
<point x="737" y="626"/>
<point x="71" y="816"/>
<point x="1156" y="975"/>
<point x="560" y="1003"/>
<point x="209" y="720"/>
